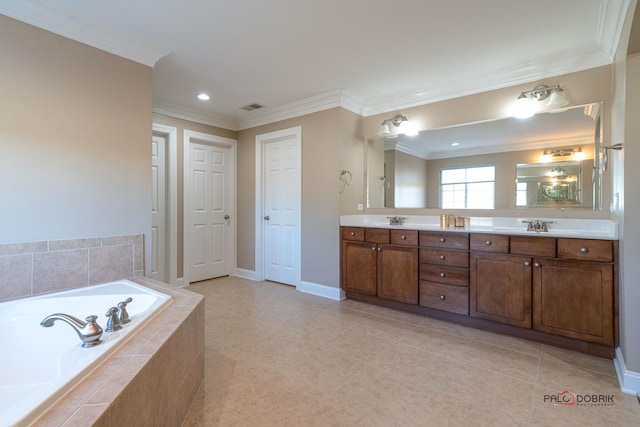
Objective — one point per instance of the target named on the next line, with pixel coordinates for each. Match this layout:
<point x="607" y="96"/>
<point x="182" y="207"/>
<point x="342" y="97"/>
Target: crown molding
<point x="550" y="66"/>
<point x="66" y="23"/>
<point x="610" y="25"/>
<point x="179" y="112"/>
<point x="323" y="101"/>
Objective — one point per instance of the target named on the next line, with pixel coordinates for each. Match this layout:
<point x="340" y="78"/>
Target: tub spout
<point x="89" y="332"/>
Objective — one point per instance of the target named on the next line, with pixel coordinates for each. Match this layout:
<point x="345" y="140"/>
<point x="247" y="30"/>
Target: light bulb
<point x="522" y="108"/>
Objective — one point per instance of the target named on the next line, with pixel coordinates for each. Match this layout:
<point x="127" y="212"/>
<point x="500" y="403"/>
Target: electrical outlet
<point x="360" y="207"/>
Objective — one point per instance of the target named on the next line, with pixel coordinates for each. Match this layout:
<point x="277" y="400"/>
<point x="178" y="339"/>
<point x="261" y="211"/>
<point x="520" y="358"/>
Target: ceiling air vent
<point x="251" y="107"/>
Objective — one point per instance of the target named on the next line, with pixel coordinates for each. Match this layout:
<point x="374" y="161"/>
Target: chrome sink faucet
<point x="89" y="332"/>
<point x="537" y="225"/>
<point x="396" y="220"/>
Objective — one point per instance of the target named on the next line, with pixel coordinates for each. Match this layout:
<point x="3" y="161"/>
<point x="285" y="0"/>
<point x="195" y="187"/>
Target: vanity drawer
<point x="353" y="233"/>
<point x="449" y="275"/>
<point x="490" y="243"/>
<point x="376" y="235"/>
<point x="439" y="239"/>
<point x="533" y="246"/>
<point x="404" y="237"/>
<point x="444" y="257"/>
<point x="444" y="297"/>
<point x="586" y="249"/>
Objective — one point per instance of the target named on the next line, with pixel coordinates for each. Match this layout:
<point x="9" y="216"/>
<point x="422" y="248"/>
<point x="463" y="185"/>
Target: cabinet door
<point x="574" y="299"/>
<point x="359" y="267"/>
<point x="500" y="288"/>
<point x="398" y="273"/>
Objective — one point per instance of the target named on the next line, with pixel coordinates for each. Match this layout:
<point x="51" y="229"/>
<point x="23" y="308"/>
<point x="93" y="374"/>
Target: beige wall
<point x="331" y="142"/>
<point x="75" y="126"/>
<point x="581" y="87"/>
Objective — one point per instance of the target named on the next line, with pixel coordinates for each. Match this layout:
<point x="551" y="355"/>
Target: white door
<point x="207" y="183"/>
<point x="282" y="206"/>
<point x="158" y="208"/>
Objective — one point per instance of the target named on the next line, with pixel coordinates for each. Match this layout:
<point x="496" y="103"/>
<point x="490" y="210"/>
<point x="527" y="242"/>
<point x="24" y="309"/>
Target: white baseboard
<point x="324" y="291"/>
<point x="629" y="380"/>
<point x="246" y="274"/>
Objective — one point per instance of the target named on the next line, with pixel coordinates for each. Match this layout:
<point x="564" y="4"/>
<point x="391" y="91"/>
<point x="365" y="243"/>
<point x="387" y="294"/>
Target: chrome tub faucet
<point x="89" y="331"/>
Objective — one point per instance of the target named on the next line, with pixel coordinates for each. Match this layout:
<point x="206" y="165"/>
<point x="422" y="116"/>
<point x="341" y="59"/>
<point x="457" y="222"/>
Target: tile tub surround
<point x="151" y="380"/>
<point x="559" y="227"/>
<point x="35" y="268"/>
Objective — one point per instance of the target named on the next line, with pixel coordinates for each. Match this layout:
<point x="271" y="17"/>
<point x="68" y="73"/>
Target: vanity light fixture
<point x="525" y="105"/>
<point x="576" y="153"/>
<point x="399" y="121"/>
<point x="203" y="97"/>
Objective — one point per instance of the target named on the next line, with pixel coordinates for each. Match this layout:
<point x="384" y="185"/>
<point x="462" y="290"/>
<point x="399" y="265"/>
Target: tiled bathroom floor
<point x="278" y="357"/>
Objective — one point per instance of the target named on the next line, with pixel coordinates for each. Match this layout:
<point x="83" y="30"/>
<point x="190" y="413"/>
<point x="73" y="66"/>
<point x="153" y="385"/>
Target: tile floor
<point x="278" y="357"/>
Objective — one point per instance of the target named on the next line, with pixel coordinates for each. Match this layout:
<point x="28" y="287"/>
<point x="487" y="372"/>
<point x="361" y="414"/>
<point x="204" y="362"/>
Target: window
<point x="471" y="188"/>
<point x="521" y="194"/>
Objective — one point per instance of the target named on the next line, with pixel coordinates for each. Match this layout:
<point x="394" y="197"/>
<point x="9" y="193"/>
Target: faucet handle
<point x="113" y="324"/>
<point x="124" y="315"/>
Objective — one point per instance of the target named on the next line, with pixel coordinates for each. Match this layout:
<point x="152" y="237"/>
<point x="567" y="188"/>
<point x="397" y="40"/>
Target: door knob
<point x="266" y="217"/>
<point x="227" y="217"/>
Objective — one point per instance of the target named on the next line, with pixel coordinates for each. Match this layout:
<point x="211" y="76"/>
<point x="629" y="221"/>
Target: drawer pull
<point x="537" y="264"/>
<point x="442" y="297"/>
<point x="442" y="257"/>
<point x="443" y="275"/>
<point x="404" y="237"/>
<point x="353" y="233"/>
<point x="584" y="250"/>
<point x="442" y="239"/>
<point x="488" y="243"/>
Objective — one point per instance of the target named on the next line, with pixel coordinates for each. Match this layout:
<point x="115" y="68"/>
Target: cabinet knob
<point x="527" y="263"/>
<point x="379" y="249"/>
<point x="442" y="275"/>
<point x="584" y="250"/>
<point x="537" y="264"/>
<point x="353" y="233"/>
<point x="442" y="257"/>
<point x="373" y="248"/>
<point x="442" y="239"/>
<point x="442" y="297"/>
<point x="403" y="237"/>
<point x="488" y="243"/>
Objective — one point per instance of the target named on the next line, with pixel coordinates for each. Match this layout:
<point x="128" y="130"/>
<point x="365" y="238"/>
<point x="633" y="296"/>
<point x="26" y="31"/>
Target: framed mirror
<point x="485" y="165"/>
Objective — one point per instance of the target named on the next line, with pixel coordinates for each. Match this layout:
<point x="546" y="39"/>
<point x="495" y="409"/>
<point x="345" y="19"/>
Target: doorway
<point x="279" y="206"/>
<point x="209" y="206"/>
<point x="164" y="227"/>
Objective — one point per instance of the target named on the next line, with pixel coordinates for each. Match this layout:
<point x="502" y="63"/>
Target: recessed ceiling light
<point x="455" y="143"/>
<point x="203" y="97"/>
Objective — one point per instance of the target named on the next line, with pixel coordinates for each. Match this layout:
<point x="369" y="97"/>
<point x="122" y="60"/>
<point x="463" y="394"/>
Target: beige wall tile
<point x="63" y="245"/>
<point x="55" y="271"/>
<point x="15" y="276"/>
<point x="22" y="248"/>
<point x="110" y="263"/>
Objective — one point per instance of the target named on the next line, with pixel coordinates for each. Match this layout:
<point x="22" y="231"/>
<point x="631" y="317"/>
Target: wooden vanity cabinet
<point x="444" y="271"/>
<point x="575" y="298"/>
<point x="384" y="264"/>
<point x="358" y="262"/>
<point x="500" y="288"/>
<point x="560" y="291"/>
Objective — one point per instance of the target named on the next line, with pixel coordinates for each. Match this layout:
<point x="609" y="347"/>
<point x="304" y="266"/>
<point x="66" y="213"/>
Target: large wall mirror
<point x="548" y="160"/>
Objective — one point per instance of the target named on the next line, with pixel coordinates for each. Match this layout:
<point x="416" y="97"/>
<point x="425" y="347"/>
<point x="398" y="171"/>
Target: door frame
<point x="261" y="141"/>
<point x="170" y="135"/>
<point x="231" y="144"/>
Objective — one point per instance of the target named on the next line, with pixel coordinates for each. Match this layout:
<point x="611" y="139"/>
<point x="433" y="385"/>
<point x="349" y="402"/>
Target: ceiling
<point x="369" y="56"/>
